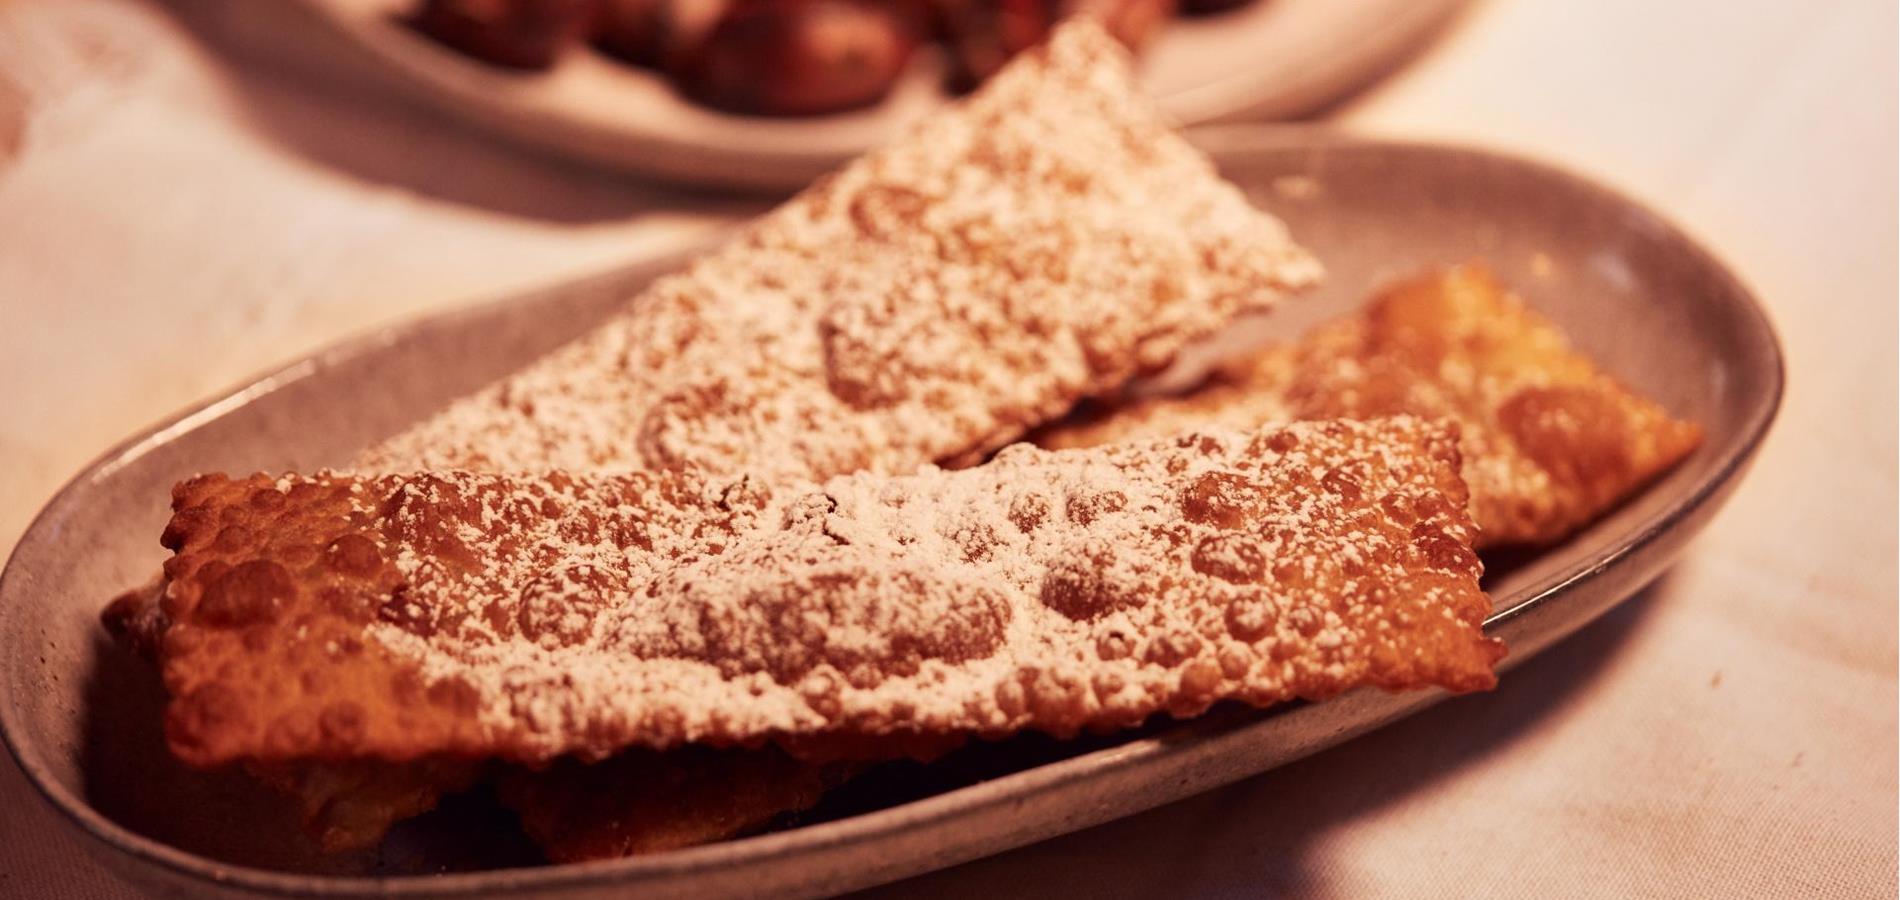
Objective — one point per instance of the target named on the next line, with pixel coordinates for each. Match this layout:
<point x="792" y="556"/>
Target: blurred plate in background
<point x="1275" y="59"/>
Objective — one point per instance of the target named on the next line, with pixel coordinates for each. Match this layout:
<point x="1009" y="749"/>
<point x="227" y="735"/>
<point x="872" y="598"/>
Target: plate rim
<point x="1219" y="142"/>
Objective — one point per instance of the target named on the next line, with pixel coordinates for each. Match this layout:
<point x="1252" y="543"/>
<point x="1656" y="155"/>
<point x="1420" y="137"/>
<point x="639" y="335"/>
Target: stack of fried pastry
<point x="698" y="567"/>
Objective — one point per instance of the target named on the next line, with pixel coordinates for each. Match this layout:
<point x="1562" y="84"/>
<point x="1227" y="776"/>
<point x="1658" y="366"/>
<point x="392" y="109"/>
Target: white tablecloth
<point x="174" y="218"/>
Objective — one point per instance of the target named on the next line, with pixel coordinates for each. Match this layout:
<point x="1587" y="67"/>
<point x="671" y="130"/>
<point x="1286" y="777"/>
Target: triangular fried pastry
<point x="1041" y="243"/>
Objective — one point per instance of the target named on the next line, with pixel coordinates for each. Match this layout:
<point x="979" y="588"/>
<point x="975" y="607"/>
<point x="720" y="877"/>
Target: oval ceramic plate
<point x="82" y="717"/>
<point x="1274" y="59"/>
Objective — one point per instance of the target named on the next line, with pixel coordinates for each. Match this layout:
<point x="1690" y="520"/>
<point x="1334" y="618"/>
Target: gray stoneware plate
<point x="81" y="718"/>
<point x="1273" y="59"/>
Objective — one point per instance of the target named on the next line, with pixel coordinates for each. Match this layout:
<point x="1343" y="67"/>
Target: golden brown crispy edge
<point x="1550" y="441"/>
<point x="344" y="805"/>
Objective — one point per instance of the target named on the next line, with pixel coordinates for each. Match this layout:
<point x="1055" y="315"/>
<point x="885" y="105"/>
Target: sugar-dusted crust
<point x="1040" y="243"/>
<point x="398" y="617"/>
<point x="1549" y="442"/>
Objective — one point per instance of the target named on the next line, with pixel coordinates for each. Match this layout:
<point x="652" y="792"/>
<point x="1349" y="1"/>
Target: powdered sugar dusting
<point x="1041" y="243"/>
<point x="1055" y="591"/>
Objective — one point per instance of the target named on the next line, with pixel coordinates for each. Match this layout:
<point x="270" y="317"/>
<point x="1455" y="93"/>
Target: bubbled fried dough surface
<point x="1550" y="442"/>
<point x="1040" y="243"/>
<point x="528" y="617"/>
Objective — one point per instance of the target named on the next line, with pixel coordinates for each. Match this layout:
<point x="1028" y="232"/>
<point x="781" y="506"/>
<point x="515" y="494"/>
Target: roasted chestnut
<point x="984" y="34"/>
<point x="783" y="57"/>
<point x="799" y="57"/>
<point x="1132" y="22"/>
<point x="1204" y="7"/>
<point x="520" y="34"/>
<point x="657" y="34"/>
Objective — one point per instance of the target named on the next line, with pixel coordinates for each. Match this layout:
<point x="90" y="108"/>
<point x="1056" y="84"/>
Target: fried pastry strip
<point x="1549" y="442"/>
<point x="1041" y="243"/>
<point x="345" y="805"/>
<point x="401" y="617"/>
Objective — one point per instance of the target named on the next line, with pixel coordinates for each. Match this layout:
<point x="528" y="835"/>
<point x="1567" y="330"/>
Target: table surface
<point x="178" y="212"/>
